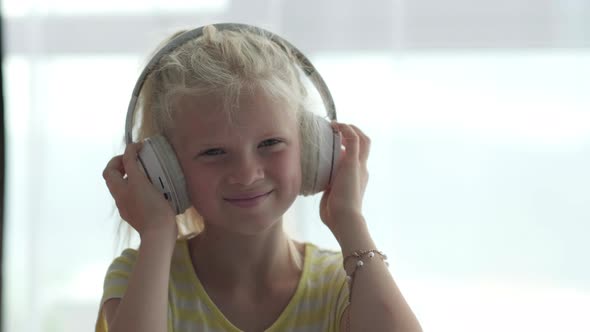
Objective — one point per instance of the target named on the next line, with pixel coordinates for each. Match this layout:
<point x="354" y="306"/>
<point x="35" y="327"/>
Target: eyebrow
<point x="217" y="139"/>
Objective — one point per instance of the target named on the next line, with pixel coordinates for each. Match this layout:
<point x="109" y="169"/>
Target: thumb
<point x="324" y="204"/>
<point x="325" y="196"/>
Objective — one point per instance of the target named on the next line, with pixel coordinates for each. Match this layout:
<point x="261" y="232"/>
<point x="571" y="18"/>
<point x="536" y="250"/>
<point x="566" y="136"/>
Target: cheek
<point x="289" y="168"/>
<point x="199" y="182"/>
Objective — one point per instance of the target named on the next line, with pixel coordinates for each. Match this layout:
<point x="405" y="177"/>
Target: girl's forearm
<point x="144" y="305"/>
<point x="376" y="302"/>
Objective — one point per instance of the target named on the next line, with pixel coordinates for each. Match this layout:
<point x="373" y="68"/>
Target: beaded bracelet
<point x="359" y="255"/>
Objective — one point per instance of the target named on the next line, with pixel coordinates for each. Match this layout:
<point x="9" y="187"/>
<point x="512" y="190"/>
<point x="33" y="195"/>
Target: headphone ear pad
<point x="162" y="168"/>
<point x="320" y="153"/>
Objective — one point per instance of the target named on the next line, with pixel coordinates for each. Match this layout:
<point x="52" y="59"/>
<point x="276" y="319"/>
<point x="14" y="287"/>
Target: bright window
<point x="479" y="184"/>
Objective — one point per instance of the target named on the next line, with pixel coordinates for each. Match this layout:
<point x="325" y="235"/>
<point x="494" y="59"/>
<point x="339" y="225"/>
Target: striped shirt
<point x="317" y="305"/>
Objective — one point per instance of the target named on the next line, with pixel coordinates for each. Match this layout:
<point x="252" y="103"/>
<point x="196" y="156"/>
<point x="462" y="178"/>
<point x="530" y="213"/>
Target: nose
<point x="246" y="170"/>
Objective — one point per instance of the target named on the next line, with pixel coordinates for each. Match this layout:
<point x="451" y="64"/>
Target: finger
<point x="116" y="184"/>
<point x="350" y="140"/>
<point x="115" y="164"/>
<point x="324" y="198"/>
<point x="324" y="203"/>
<point x="113" y="176"/>
<point x="130" y="160"/>
<point x="364" y="144"/>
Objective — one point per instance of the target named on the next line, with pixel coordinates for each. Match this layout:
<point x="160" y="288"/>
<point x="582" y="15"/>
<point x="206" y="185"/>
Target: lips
<point x="248" y="200"/>
<point x="247" y="196"/>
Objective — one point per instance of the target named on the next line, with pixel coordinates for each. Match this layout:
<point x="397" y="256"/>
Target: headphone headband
<point x="304" y="63"/>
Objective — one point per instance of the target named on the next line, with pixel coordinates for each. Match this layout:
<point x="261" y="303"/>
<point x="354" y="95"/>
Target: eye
<point x="270" y="142"/>
<point x="212" y="152"/>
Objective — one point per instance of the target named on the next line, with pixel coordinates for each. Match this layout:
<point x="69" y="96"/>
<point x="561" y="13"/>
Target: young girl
<point x="232" y="107"/>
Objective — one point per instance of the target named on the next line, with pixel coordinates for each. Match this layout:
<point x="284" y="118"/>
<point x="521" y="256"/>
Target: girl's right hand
<point x="139" y="203"/>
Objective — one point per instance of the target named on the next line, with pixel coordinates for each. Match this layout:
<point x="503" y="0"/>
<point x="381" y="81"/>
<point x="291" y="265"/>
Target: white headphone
<point x="160" y="164"/>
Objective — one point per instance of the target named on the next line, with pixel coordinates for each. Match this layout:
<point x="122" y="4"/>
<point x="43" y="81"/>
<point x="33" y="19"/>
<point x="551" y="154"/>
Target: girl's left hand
<point x="342" y="200"/>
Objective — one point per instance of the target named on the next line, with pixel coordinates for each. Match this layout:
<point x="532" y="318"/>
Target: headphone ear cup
<point x="320" y="153"/>
<point x="162" y="168"/>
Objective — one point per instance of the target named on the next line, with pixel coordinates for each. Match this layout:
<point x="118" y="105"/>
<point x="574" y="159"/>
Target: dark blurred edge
<point x="2" y="169"/>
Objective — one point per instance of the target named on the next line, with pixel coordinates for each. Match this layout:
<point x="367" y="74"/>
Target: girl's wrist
<point x="343" y="218"/>
<point x="160" y="235"/>
<point x="157" y="248"/>
<point x="352" y="233"/>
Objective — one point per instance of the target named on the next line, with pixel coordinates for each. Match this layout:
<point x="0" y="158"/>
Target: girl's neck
<point x="237" y="261"/>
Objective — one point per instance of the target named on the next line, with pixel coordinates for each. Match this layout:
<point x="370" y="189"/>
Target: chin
<point x="251" y="226"/>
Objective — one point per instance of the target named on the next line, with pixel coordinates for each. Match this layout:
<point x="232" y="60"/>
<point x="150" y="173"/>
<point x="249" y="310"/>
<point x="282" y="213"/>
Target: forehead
<point x="203" y="117"/>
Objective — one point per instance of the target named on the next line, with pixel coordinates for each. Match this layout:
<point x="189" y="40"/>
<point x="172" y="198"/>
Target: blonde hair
<point x="225" y="63"/>
<point x="221" y="62"/>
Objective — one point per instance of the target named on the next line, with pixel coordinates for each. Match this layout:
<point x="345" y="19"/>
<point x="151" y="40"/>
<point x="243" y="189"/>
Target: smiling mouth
<point x="249" y="201"/>
<point x="247" y="197"/>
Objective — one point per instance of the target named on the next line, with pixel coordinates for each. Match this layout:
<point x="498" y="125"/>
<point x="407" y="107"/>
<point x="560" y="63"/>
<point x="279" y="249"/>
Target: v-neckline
<point x="218" y="314"/>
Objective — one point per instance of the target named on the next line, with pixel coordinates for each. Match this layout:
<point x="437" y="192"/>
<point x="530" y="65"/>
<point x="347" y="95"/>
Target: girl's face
<point x="241" y="175"/>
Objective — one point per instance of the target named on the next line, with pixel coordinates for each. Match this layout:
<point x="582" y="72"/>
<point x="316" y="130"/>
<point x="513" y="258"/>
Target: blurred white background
<point x="479" y="114"/>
